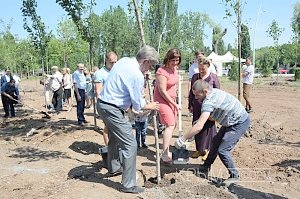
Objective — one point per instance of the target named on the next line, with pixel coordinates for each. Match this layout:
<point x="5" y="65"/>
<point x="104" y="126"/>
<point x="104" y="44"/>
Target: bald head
<point x="111" y="59"/>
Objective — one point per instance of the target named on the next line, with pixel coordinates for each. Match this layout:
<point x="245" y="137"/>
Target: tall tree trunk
<point x="139" y="20"/>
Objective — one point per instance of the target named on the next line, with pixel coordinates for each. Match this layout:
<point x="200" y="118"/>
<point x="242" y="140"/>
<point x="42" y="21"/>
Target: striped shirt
<point x="224" y="108"/>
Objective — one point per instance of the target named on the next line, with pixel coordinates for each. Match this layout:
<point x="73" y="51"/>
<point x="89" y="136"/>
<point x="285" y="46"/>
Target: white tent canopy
<point x="228" y="57"/>
<point x="218" y="60"/>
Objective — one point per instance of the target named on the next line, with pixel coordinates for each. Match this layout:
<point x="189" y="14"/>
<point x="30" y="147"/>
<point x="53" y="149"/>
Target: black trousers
<point x="57" y="99"/>
<point x="8" y="104"/>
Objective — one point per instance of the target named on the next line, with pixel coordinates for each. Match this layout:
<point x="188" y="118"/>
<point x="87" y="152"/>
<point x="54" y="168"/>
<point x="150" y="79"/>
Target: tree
<point x="156" y="20"/>
<point x="36" y="30"/>
<point x="75" y="9"/>
<point x="296" y="21"/>
<point x="245" y="41"/>
<point x="118" y="32"/>
<point x="66" y="32"/>
<point x="234" y="6"/>
<point x="296" y="30"/>
<point x="274" y="31"/>
<point x="139" y="21"/>
<point x="218" y="34"/>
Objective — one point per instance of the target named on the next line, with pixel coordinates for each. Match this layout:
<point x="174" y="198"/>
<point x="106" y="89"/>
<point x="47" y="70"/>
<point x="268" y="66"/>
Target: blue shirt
<point x="101" y="75"/>
<point x="224" y="108"/>
<point x="9" y="89"/>
<point x="124" y="85"/>
<point x="79" y="79"/>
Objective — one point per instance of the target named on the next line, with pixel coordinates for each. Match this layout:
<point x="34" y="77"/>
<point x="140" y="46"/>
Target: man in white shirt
<point x="247" y="79"/>
<point x="123" y="89"/>
<point x="55" y="84"/>
<point x="79" y="81"/>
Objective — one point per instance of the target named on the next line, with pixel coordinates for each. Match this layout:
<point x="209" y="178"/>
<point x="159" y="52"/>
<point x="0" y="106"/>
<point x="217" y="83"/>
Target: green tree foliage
<point x="66" y="32"/>
<point x="8" y="47"/>
<point x="172" y="23"/>
<point x="245" y="39"/>
<point x="36" y="28"/>
<point x="274" y="31"/>
<point x="217" y="41"/>
<point x="234" y="73"/>
<point x="118" y="32"/>
<point x="192" y="26"/>
<point x="75" y="9"/>
<point x="296" y="21"/>
<point x="266" y="60"/>
<point x="156" y="20"/>
<point x="27" y="58"/>
<point x="115" y="29"/>
<point x="297" y="74"/>
<point x="296" y="30"/>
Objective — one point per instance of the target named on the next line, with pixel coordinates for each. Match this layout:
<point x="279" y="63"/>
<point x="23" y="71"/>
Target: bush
<point x="297" y="74"/>
<point x="233" y="74"/>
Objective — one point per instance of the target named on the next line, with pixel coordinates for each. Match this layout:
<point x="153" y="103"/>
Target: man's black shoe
<point x="116" y="173"/>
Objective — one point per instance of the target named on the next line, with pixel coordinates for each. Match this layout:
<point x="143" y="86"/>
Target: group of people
<point x="124" y="90"/>
<point x="119" y="87"/>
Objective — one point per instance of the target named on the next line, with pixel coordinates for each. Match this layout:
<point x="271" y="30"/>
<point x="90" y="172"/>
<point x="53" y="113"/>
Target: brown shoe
<point x="196" y="154"/>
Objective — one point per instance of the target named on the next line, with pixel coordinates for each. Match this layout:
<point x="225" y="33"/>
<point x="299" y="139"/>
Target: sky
<point x="256" y="13"/>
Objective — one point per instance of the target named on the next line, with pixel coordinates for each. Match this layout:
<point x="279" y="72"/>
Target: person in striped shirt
<point x="225" y="109"/>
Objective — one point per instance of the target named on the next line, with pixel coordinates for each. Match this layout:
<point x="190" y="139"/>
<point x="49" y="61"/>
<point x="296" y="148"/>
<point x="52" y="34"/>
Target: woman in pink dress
<point x="165" y="95"/>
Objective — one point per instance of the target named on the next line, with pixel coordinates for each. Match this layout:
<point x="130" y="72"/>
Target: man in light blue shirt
<point x="123" y="88"/>
<point x="79" y="81"/>
<point x="100" y="79"/>
<point x="228" y="111"/>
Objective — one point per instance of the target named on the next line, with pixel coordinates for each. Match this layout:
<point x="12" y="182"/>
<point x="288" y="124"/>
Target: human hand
<point x="79" y="98"/>
<point x="180" y="143"/>
<point x="153" y="106"/>
<point x="178" y="107"/>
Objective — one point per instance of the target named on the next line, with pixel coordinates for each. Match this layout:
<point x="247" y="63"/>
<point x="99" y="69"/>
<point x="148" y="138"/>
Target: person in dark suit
<point x="9" y="96"/>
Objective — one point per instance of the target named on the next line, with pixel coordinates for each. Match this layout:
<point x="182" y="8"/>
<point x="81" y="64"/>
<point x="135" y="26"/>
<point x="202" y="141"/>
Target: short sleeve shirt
<point x="224" y="108"/>
<point x="101" y="75"/>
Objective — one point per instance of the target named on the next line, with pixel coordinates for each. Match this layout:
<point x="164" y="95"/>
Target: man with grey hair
<point x="123" y="89"/>
<point x="220" y="106"/>
<point x="55" y="85"/>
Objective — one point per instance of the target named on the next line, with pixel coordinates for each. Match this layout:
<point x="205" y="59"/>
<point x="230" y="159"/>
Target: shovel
<point x="46" y="115"/>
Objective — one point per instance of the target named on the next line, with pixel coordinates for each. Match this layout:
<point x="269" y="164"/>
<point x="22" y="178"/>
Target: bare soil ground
<point x="61" y="160"/>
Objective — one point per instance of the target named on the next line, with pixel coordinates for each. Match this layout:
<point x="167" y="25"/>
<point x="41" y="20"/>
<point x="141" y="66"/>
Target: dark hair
<point x="156" y="67"/>
<point x="171" y="54"/>
<point x="198" y="52"/>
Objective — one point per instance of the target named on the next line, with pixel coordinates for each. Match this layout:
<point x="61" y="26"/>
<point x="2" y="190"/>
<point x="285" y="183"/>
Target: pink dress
<point x="167" y="112"/>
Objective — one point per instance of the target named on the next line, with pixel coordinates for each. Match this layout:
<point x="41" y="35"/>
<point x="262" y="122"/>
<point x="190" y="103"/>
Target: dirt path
<point x="61" y="160"/>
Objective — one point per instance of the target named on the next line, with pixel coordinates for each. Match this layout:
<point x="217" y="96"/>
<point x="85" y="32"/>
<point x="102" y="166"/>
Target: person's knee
<point x="223" y="153"/>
